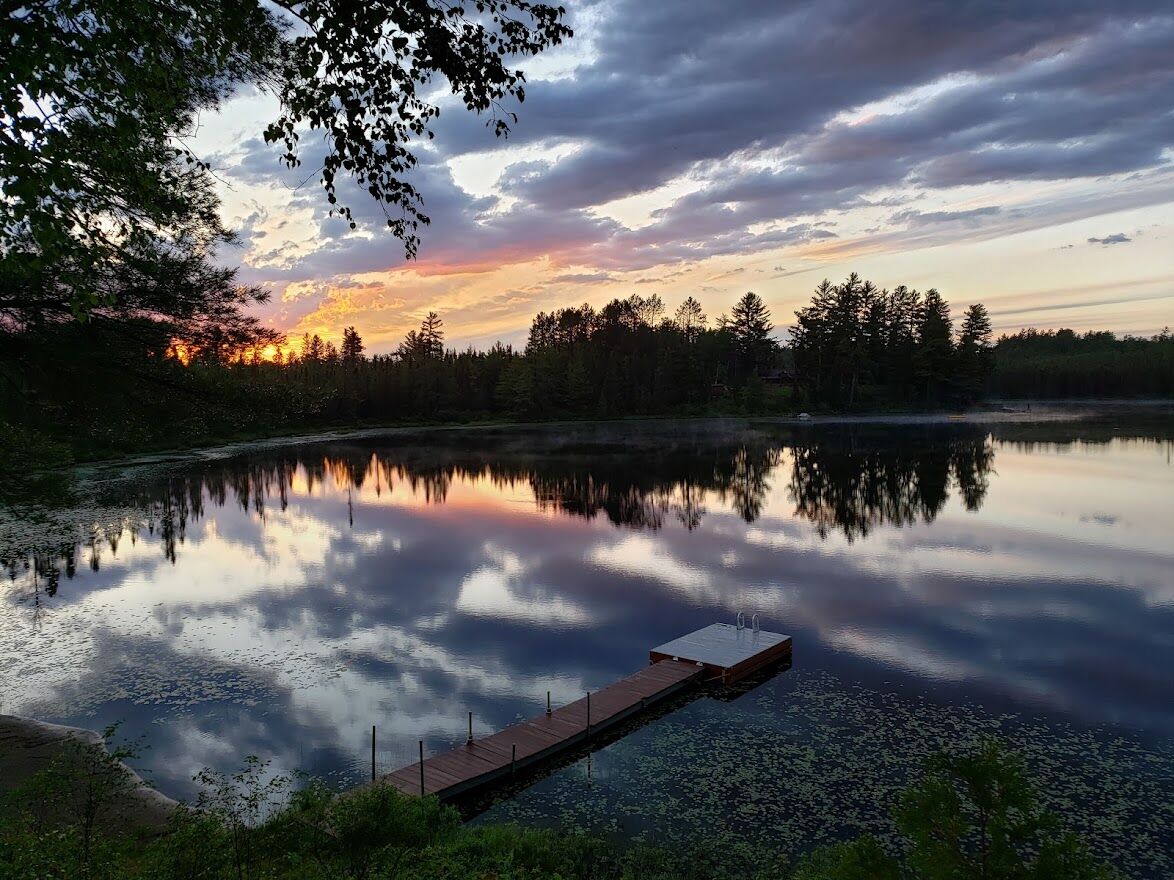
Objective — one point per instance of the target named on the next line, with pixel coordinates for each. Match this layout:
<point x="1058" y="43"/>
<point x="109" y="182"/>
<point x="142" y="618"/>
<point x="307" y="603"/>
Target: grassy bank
<point x="973" y="815"/>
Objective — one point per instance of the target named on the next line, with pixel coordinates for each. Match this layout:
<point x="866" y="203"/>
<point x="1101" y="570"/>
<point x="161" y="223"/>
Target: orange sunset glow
<point x="1015" y="168"/>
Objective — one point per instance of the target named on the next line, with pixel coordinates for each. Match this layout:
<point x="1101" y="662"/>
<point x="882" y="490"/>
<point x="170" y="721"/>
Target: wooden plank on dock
<point x="469" y="766"/>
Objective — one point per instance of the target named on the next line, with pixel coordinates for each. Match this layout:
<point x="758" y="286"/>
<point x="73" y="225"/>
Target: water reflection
<point x="840" y="483"/>
<point x="281" y="603"/>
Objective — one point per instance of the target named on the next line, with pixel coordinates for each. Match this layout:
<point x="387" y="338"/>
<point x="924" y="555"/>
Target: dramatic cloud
<point x="701" y="132"/>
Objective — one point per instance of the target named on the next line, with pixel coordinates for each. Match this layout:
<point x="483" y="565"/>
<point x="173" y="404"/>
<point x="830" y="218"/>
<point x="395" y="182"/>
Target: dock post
<point x="548" y="702"/>
<point x="588" y="713"/>
<point x="421" y="768"/>
<point x="372" y="752"/>
<point x="513" y="758"/>
<point x="469" y="741"/>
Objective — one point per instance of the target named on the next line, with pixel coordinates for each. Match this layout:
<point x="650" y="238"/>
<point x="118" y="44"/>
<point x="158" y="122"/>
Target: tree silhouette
<point x="432" y="335"/>
<point x="100" y="95"/>
<point x="313" y="349"/>
<point x="898" y="345"/>
<point x="352" y="346"/>
<point x="975" y="352"/>
<point x="935" y="345"/>
<point x="749" y="322"/>
<point x="360" y="73"/>
<point x="854" y="346"/>
<point x="1063" y="363"/>
<point x="689" y="320"/>
<point x="94" y="176"/>
<point x="424" y="344"/>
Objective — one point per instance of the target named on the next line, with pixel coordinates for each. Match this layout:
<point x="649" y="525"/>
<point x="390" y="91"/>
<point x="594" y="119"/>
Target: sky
<point x="1018" y="154"/>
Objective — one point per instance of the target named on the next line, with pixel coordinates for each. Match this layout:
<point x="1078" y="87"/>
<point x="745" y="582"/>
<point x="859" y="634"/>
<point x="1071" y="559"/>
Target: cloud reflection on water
<point x="282" y="603"/>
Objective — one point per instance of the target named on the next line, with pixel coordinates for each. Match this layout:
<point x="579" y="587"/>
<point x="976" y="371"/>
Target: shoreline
<point x="996" y="412"/>
<point x="29" y="746"/>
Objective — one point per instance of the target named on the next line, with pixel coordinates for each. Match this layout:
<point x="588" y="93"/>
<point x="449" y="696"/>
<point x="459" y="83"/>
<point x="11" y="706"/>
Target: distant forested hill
<point x="1064" y="364"/>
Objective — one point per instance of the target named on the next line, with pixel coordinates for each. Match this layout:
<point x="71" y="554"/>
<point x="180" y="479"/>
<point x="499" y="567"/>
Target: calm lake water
<point x="942" y="583"/>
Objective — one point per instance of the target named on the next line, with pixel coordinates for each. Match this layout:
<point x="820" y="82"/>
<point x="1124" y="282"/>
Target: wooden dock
<point x="719" y="652"/>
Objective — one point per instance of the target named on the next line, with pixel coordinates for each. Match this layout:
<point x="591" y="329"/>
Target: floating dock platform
<point x="727" y="652"/>
<point x="720" y="652"/>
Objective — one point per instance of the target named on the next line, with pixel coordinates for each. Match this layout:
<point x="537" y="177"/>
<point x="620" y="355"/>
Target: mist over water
<point x="941" y="583"/>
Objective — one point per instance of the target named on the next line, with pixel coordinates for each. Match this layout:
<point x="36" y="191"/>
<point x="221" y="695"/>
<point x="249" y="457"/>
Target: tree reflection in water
<point x="841" y="485"/>
<point x="846" y="481"/>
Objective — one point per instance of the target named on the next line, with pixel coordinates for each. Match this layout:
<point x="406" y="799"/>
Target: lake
<point x="942" y="583"/>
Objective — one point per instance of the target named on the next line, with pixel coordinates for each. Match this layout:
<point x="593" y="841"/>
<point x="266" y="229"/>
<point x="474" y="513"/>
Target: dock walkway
<point x="719" y="652"/>
<point x="502" y="754"/>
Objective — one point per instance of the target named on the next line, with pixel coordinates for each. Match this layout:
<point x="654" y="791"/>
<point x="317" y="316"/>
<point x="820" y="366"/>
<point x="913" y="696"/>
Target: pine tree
<point x="424" y="344"/>
<point x="904" y="310"/>
<point x="648" y="311"/>
<point x="750" y="325"/>
<point x="976" y="327"/>
<point x="432" y="336"/>
<point x="846" y="330"/>
<point x="809" y="339"/>
<point x="410" y="349"/>
<point x="312" y="348"/>
<point x="352" y="346"/>
<point x="975" y="352"/>
<point x="831" y="341"/>
<point x="933" y="357"/>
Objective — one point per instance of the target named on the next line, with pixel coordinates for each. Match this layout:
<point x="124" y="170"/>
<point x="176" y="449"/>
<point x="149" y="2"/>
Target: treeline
<point x="104" y="394"/>
<point x="627" y="358"/>
<point x="855" y="345"/>
<point x="1045" y="364"/>
<point x="96" y="392"/>
<point x="859" y="344"/>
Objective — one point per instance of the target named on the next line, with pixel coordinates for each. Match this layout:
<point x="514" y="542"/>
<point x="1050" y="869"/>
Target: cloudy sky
<point x="1018" y="154"/>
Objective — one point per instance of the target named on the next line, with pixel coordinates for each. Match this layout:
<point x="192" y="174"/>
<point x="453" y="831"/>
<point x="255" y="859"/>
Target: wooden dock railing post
<point x="513" y="758"/>
<point x="469" y="741"/>
<point x="372" y="752"/>
<point x="589" y="713"/>
<point x="548" y="702"/>
<point x="421" y="768"/>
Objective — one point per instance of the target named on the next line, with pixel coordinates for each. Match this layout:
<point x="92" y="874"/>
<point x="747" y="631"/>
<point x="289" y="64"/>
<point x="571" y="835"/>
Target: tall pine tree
<point x="934" y="355"/>
<point x="976" y="358"/>
<point x="750" y="325"/>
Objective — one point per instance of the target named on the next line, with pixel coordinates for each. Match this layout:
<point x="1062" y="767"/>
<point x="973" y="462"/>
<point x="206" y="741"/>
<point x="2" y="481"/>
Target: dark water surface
<point x="941" y="584"/>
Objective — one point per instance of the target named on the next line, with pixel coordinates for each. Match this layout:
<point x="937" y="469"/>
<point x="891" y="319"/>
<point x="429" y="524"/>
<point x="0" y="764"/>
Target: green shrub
<point x="974" y="815"/>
